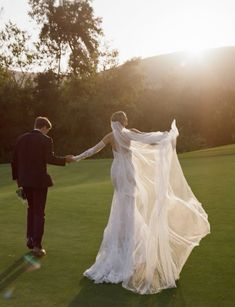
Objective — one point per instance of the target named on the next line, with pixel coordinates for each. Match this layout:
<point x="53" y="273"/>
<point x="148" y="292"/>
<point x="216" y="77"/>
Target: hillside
<point x="209" y="68"/>
<point x="198" y="91"/>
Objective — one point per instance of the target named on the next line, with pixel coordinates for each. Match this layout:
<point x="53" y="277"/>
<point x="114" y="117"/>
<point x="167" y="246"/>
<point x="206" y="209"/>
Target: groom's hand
<point x="69" y="158"/>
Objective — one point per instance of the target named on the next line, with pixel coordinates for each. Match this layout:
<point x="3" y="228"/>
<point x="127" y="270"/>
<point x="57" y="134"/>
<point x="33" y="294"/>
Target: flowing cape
<point x="166" y="219"/>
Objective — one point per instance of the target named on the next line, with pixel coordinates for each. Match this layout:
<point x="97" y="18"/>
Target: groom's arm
<point x="50" y="156"/>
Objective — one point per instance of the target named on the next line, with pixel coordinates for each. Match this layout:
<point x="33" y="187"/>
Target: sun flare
<point x="196" y="52"/>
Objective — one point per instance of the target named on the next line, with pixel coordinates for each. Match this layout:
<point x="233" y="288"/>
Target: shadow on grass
<point x="109" y="295"/>
<point x="27" y="262"/>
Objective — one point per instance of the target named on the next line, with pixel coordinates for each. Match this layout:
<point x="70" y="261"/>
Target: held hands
<point x="69" y="159"/>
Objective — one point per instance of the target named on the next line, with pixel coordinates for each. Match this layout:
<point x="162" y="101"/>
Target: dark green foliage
<point x="16" y="104"/>
<point x="80" y="109"/>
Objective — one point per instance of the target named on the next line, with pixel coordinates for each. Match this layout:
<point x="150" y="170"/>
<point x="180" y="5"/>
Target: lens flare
<point x="8" y="293"/>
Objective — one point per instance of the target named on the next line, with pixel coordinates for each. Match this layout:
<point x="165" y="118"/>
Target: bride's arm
<point x="135" y="130"/>
<point x="93" y="150"/>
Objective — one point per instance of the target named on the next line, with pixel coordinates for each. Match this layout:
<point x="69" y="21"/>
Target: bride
<point x="155" y="219"/>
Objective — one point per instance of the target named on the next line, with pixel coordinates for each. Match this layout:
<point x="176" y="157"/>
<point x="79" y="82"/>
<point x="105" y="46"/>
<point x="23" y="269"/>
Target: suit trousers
<point x="36" y="198"/>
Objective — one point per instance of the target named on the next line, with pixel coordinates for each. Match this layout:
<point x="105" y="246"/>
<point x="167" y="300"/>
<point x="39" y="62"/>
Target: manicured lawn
<point x="77" y="211"/>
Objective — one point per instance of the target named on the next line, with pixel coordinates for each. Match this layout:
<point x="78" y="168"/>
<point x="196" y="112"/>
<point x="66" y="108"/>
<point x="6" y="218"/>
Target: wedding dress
<point x="155" y="219"/>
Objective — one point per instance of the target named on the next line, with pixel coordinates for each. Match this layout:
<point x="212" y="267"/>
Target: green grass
<point x="77" y="211"/>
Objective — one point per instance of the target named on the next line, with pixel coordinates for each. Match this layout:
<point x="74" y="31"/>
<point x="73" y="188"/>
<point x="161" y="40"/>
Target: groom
<point x="33" y="151"/>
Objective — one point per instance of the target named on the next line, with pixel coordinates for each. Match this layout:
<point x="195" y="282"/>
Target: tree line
<point x="80" y="97"/>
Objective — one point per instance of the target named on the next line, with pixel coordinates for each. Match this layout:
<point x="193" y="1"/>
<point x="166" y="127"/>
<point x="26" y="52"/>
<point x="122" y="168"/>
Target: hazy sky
<point x="147" y="28"/>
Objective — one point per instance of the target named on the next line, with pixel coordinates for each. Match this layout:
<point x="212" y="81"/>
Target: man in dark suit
<point x="33" y="151"/>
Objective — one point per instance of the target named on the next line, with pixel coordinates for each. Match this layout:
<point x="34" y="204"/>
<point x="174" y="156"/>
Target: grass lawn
<point x="77" y="211"/>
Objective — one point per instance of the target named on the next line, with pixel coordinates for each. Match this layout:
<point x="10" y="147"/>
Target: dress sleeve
<point x="91" y="151"/>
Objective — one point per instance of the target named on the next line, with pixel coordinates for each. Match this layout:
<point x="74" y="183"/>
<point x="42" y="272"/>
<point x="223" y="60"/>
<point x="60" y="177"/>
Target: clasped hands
<point x="70" y="159"/>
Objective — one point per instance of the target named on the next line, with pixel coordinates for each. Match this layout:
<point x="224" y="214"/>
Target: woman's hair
<point x="119" y="116"/>
<point x="41" y="122"/>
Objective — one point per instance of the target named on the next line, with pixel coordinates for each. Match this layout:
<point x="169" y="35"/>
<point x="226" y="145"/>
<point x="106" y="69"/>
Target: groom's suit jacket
<point x="32" y="153"/>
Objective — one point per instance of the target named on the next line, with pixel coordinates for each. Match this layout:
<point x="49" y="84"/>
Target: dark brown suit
<point x="32" y="153"/>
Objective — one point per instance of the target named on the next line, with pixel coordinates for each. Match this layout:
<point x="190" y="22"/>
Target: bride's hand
<point x="69" y="158"/>
<point x="75" y="159"/>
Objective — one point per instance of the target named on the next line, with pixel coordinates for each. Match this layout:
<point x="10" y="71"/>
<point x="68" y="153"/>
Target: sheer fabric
<point x="155" y="219"/>
<point x="90" y="152"/>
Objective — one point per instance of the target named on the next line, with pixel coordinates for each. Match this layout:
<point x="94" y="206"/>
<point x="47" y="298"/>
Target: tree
<point x="108" y="57"/>
<point x="15" y="54"/>
<point x="46" y="94"/>
<point x="16" y="105"/>
<point x="69" y="31"/>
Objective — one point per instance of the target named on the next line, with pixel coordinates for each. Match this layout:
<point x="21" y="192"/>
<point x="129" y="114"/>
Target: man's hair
<point x="41" y="122"/>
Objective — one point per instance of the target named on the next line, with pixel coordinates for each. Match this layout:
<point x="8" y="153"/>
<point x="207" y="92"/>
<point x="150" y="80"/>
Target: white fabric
<point x="155" y="219"/>
<point x="90" y="152"/>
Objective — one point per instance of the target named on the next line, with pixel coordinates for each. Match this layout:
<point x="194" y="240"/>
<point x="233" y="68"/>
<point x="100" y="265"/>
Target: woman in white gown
<point x="155" y="219"/>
